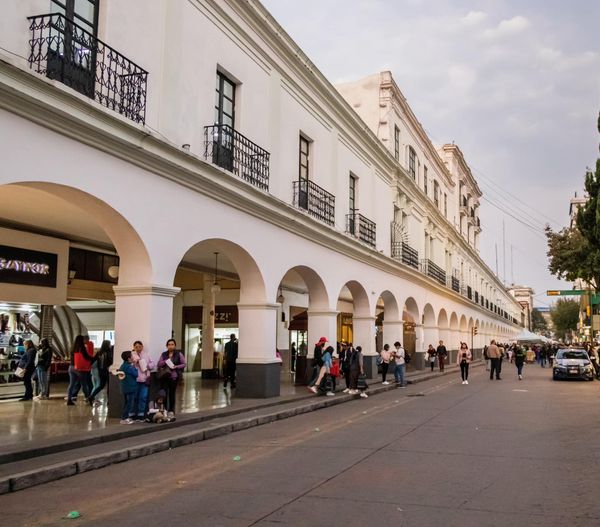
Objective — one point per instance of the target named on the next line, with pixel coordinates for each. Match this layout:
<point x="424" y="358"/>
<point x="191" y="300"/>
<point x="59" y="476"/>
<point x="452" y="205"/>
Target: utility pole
<point x="496" y="245"/>
<point x="503" y="253"/>
<point x="512" y="274"/>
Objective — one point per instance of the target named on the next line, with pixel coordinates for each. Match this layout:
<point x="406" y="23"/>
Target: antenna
<point x="496" y="246"/>
<point x="503" y="253"/>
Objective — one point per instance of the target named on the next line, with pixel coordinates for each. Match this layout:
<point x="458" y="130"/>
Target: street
<point x="493" y="453"/>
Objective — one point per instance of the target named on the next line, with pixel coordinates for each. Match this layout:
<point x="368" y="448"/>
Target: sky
<point x="514" y="83"/>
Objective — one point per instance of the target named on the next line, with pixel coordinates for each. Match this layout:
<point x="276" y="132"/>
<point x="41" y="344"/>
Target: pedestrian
<point x="334" y="372"/>
<point x="323" y="369"/>
<point x="399" y="358"/>
<point x="442" y="353"/>
<point x="27" y="363"/>
<point x="386" y="356"/>
<point x="494" y="355"/>
<point x="293" y="354"/>
<point x="82" y="360"/>
<point x="357" y="369"/>
<point x="144" y="365"/>
<point x="463" y="359"/>
<point x="501" y="358"/>
<point x="486" y="358"/>
<point x="231" y="355"/>
<point x="104" y="359"/>
<point x="317" y="363"/>
<point x="42" y="369"/>
<point x="431" y="356"/>
<point x="345" y="356"/>
<point x="157" y="409"/>
<point x="128" y="374"/>
<point x="519" y="355"/>
<point x="171" y="365"/>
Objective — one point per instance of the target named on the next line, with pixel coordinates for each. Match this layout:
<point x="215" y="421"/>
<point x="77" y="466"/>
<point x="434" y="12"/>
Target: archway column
<point x="258" y="370"/>
<point x="393" y="331"/>
<point x="321" y="323"/>
<point x="363" y="329"/>
<point x="452" y="344"/>
<point x="142" y="312"/>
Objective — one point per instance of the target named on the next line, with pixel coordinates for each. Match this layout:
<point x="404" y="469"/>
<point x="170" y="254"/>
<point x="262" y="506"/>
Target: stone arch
<point x="442" y="320"/>
<point x="390" y="305"/>
<point x="360" y="299"/>
<point x="252" y="284"/>
<point x="429" y="318"/>
<point x="135" y="265"/>
<point x="453" y="321"/>
<point x="411" y="311"/>
<point x="317" y="292"/>
<point x="463" y="324"/>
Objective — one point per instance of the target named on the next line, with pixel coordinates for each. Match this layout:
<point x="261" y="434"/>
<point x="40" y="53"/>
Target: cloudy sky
<point x="515" y="83"/>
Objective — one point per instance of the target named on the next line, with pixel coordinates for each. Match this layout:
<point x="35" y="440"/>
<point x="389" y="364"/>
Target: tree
<point x="538" y="322"/>
<point x="565" y="315"/>
<point x="575" y="252"/>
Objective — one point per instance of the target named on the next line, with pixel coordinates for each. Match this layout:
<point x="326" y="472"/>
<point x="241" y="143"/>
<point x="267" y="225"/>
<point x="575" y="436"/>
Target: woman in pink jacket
<point x="463" y="359"/>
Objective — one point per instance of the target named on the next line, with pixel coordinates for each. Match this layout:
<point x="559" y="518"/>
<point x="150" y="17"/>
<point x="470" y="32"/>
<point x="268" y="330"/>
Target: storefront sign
<point x="25" y="267"/>
<point x="223" y="315"/>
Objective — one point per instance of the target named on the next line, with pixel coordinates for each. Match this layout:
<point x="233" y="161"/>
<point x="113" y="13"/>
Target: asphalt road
<point x="493" y="453"/>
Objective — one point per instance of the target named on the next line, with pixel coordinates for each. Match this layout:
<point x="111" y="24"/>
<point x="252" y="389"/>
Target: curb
<point x="54" y="472"/>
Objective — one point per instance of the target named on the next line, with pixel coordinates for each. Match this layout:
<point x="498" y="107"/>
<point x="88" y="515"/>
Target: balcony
<point x="469" y="292"/>
<point x="64" y="51"/>
<point x="316" y="201"/>
<point x="455" y="284"/>
<point x="477" y="297"/>
<point x="228" y="149"/>
<point x="464" y="206"/>
<point x="362" y="228"/>
<point x="433" y="271"/>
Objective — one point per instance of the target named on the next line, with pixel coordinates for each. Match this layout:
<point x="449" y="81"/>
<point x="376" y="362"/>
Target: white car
<point x="572" y="364"/>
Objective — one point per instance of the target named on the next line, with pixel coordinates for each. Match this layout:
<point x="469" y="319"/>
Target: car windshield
<point x="572" y="354"/>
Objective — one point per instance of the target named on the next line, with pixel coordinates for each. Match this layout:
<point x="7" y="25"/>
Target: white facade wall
<point x="156" y="201"/>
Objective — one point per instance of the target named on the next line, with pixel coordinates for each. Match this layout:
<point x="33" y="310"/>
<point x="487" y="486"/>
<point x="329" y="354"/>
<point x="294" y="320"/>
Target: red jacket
<point x="84" y="359"/>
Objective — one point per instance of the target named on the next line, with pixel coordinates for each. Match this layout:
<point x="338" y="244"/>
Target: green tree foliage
<point x="575" y="252"/>
<point x="565" y="315"/>
<point x="538" y="322"/>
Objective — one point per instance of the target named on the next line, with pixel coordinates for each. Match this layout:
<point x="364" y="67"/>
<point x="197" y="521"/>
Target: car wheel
<point x="554" y="378"/>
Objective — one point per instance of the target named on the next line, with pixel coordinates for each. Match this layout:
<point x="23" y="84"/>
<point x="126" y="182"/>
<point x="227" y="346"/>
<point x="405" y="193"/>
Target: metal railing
<point x="64" y="51"/>
<point x="469" y="292"/>
<point x="361" y="227"/>
<point x="315" y="200"/>
<point x="228" y="149"/>
<point x="433" y="271"/>
<point x="455" y="284"/>
<point x="403" y="252"/>
<point x="477" y="297"/>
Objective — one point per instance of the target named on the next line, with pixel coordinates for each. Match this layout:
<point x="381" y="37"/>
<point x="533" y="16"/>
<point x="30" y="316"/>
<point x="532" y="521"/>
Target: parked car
<point x="572" y="364"/>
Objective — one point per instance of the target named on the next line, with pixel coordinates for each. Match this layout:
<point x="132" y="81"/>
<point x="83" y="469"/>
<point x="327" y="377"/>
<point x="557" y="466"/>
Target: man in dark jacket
<point x="442" y="353"/>
<point x="27" y="362"/>
<point x="231" y="355"/>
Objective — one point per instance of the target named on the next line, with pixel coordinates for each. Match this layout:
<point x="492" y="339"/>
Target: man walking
<point x="231" y="355"/>
<point x="442" y="353"/>
<point x="494" y="355"/>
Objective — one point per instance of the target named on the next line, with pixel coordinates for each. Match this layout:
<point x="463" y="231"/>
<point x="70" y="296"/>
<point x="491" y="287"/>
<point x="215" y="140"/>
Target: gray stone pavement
<point x="492" y="453"/>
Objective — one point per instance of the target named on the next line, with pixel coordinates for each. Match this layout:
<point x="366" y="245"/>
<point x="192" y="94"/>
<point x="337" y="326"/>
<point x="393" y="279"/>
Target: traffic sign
<point x="567" y="292"/>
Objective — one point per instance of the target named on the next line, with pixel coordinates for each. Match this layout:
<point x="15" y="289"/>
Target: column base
<point x="257" y="381"/>
<point x="115" y="397"/>
<point x="212" y="373"/>
<point x="370" y="366"/>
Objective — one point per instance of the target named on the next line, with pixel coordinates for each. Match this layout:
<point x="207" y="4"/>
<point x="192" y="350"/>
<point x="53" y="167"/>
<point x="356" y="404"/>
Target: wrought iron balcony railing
<point x="316" y="201"/>
<point x="469" y="292"/>
<point x="64" y="51"/>
<point x="455" y="284"/>
<point x="477" y="297"/>
<point x="227" y="148"/>
<point x="361" y="227"/>
<point x="433" y="271"/>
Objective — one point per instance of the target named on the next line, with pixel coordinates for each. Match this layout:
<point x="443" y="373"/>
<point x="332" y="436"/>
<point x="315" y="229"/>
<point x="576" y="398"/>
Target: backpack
<point x="406" y="357"/>
<point x="379" y="360"/>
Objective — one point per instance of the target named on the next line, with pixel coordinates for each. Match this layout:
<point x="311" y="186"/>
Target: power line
<point x="536" y="230"/>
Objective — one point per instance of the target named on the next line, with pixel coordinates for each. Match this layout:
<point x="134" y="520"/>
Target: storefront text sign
<point x="25" y="267"/>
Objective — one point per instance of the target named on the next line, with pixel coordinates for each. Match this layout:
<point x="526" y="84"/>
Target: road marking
<point x="516" y="390"/>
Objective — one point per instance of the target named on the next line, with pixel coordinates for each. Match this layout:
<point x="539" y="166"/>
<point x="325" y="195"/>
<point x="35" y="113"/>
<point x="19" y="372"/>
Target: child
<point x="157" y="412"/>
<point x="128" y="375"/>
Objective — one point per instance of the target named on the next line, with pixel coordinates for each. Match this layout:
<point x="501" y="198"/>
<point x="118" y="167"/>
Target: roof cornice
<point x="454" y="149"/>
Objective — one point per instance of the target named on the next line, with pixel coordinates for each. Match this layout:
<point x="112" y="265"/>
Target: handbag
<point x="362" y="382"/>
<point x="163" y="372"/>
<point x="20" y="372"/>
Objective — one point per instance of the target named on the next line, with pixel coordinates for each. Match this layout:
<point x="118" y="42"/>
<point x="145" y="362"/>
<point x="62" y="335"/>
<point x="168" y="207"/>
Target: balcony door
<point x="304" y="166"/>
<point x="223" y="144"/>
<point x="72" y="49"/>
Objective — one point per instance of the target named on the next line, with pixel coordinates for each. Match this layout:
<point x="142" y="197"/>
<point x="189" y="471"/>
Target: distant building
<point x="524" y="296"/>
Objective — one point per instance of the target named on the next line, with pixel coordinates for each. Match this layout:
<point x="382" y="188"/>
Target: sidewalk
<point x="39" y="461"/>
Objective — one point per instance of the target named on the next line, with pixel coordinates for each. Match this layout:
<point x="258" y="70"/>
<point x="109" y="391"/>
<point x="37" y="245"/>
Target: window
<point x="225" y="101"/>
<point x="397" y="143"/>
<point x="304" y="163"/>
<point x="352" y="194"/>
<point x="83" y="12"/>
<point x="425" y="180"/>
<point x="445" y="204"/>
<point x="436" y="193"/>
<point x="303" y="172"/>
<point x="412" y="162"/>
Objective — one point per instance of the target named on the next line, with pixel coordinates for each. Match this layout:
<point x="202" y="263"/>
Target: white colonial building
<point x="195" y="175"/>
